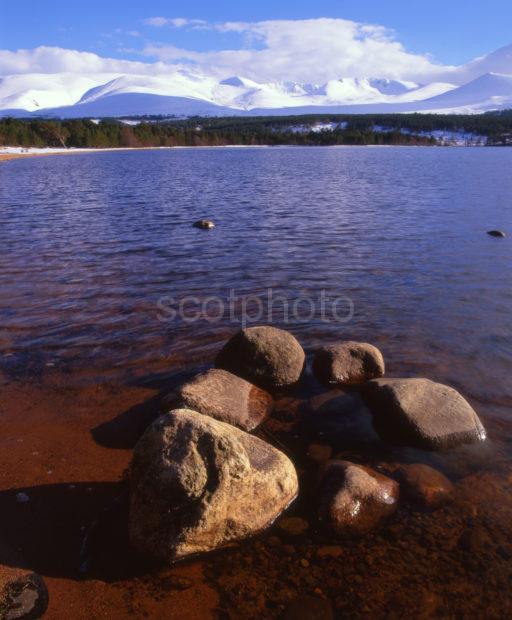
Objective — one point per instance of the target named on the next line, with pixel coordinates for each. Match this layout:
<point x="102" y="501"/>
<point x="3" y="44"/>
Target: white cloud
<point x="304" y="50"/>
<point x="176" y="22"/>
<point x="313" y="50"/>
<point x="58" y="60"/>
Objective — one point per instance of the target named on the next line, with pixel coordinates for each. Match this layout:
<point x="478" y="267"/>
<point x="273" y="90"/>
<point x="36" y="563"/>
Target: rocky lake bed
<point x="327" y="490"/>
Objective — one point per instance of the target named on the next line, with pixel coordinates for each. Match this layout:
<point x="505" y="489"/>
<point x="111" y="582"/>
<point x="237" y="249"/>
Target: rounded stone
<point x="204" y="224"/>
<point x="347" y="363"/>
<point x="355" y="499"/>
<point x="422" y="414"/>
<point x="224" y="396"/>
<point x="426" y="486"/>
<point x="267" y="356"/>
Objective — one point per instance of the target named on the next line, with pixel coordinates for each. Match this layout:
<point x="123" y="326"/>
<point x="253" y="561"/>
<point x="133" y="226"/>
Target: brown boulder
<point x="347" y="363"/>
<point x="198" y="484"/>
<point x="422" y="414"/>
<point x="355" y="499"/>
<point x="426" y="486"/>
<point x="269" y="357"/>
<point x="226" y="397"/>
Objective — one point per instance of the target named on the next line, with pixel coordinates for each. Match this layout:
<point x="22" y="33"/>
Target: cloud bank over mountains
<point x="266" y="65"/>
<point x="312" y="50"/>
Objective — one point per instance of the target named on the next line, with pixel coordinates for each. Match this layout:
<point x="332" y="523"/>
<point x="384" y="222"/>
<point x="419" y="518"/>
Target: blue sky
<point x="451" y="31"/>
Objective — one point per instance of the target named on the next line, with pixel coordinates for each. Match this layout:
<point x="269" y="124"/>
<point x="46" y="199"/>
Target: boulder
<point x="204" y="224"/>
<point x="426" y="486"/>
<point x="347" y="363"/>
<point x="355" y="499"/>
<point x="226" y="397"/>
<point x="496" y="233"/>
<point x="422" y="414"/>
<point x="269" y="357"/>
<point x="197" y="484"/>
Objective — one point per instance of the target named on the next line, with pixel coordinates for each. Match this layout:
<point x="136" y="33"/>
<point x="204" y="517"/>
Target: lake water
<point x="93" y="246"/>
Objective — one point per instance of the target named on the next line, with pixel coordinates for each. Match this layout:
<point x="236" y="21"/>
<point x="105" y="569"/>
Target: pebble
<point x="329" y="551"/>
<point x="22" y="498"/>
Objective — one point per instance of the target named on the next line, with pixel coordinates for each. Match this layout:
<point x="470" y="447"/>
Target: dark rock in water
<point x="422" y="414"/>
<point x="426" y="486"/>
<point x="496" y="233"/>
<point x="355" y="499"/>
<point x="204" y="224"/>
<point x="226" y="397"/>
<point x="198" y="484"/>
<point x="306" y="607"/>
<point x="25" y="598"/>
<point x="347" y="363"/>
<point x="269" y="357"/>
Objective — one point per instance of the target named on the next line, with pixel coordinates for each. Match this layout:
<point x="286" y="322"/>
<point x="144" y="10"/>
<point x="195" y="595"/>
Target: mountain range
<point x="481" y="85"/>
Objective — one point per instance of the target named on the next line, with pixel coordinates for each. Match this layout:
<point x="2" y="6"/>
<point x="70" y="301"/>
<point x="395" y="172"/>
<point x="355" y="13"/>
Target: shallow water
<point x="92" y="246"/>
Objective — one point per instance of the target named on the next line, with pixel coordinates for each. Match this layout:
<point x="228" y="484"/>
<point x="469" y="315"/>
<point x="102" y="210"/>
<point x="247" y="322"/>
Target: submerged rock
<point x="355" y="499"/>
<point x="347" y="363"/>
<point x="198" y="484"/>
<point x="204" y="224"/>
<point x="269" y="357"/>
<point x="426" y="486"/>
<point x="226" y="397"/>
<point x="422" y="414"/>
<point x="496" y="233"/>
<point x="24" y="598"/>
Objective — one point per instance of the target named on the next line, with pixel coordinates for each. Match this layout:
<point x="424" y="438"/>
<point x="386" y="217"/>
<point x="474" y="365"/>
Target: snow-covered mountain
<point x="481" y="85"/>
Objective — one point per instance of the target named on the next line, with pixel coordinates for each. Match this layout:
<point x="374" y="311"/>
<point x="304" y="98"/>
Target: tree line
<point x="218" y="131"/>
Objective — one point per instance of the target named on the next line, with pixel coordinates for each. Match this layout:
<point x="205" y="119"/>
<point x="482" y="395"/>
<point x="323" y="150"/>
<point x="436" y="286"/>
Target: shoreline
<point x="9" y="153"/>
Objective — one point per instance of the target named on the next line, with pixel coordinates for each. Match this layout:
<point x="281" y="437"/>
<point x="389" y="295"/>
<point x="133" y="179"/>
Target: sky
<point x="290" y="39"/>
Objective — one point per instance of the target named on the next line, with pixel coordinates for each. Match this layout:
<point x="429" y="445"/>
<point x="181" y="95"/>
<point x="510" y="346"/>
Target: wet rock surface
<point x="347" y="363"/>
<point x="198" y="484"/>
<point x="224" y="396"/>
<point x="355" y="499"/>
<point x="425" y="486"/>
<point x="24" y="598"/>
<point x="269" y="357"/>
<point x="423" y="414"/>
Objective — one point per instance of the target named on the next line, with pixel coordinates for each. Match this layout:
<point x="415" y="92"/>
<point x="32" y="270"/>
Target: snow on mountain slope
<point x="37" y="91"/>
<point x="182" y="92"/>
<point x="492" y="91"/>
<point x="140" y="104"/>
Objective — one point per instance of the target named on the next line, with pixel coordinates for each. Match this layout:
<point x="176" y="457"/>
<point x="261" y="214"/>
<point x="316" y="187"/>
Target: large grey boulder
<point x="421" y="413"/>
<point x="269" y="357"/>
<point x="347" y="363"/>
<point x="197" y="484"/>
<point x="226" y="397"/>
<point x="355" y="499"/>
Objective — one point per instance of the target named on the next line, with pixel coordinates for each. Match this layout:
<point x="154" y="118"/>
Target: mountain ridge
<point x="484" y="84"/>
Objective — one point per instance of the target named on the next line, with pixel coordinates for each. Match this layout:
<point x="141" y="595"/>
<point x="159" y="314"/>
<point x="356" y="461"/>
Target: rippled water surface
<point x="91" y="243"/>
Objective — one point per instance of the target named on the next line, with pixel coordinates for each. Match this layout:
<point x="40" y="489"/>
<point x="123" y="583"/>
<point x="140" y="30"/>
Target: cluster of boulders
<point x="199" y="481"/>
